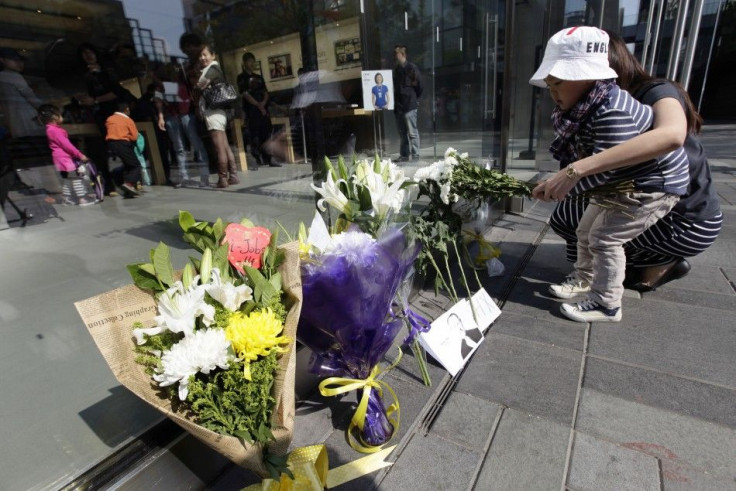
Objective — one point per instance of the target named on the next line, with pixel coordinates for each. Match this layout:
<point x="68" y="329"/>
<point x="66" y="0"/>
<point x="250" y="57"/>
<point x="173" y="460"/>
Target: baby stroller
<point x="88" y="172"/>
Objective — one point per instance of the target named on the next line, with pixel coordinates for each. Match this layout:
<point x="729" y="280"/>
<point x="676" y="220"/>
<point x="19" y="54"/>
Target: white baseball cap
<point x="575" y="53"/>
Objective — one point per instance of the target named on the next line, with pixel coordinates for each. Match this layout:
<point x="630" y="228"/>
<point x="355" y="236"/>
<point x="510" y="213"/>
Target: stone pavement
<point x="545" y="403"/>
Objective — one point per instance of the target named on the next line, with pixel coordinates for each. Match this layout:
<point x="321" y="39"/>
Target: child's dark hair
<point x="248" y="56"/>
<point x="122" y="106"/>
<point x="48" y="113"/>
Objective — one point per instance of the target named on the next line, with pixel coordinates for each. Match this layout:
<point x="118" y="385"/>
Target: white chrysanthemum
<point x="203" y="351"/>
<point x="178" y="310"/>
<point x="351" y="245"/>
<point x="228" y="295"/>
<point x="451" y="161"/>
<point x="438" y="171"/>
<point x="445" y="194"/>
<point x="464" y="155"/>
<point x="450" y="151"/>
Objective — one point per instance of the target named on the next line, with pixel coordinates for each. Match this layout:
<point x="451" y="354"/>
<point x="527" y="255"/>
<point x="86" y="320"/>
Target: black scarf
<point x="567" y="123"/>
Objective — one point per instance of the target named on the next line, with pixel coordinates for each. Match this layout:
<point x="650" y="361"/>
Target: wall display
<point x="348" y="52"/>
<point x="378" y="90"/>
<point x="279" y="66"/>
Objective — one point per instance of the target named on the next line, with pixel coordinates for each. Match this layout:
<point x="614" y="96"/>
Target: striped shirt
<point x="618" y="119"/>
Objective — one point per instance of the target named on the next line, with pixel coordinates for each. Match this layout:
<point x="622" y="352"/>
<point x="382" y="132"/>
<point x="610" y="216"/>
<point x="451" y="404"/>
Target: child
<point x="63" y="154"/>
<point x="593" y="114"/>
<point x="121" y="138"/>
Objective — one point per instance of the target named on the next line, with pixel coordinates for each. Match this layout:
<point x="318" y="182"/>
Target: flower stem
<point x="449" y="277"/>
<point x="421" y="357"/>
<point x="439" y="273"/>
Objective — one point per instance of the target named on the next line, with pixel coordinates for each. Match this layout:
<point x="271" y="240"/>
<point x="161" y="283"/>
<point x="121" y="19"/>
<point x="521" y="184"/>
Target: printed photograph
<point x="348" y="52"/>
<point x="279" y="66"/>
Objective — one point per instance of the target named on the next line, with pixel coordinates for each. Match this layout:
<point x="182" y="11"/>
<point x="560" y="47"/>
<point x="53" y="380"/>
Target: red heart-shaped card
<point x="246" y="245"/>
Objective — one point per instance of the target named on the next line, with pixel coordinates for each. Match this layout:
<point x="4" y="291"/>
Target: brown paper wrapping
<point x="109" y="317"/>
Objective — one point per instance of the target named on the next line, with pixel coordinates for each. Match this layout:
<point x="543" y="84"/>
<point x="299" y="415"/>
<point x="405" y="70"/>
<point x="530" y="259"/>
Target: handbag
<point x="220" y="95"/>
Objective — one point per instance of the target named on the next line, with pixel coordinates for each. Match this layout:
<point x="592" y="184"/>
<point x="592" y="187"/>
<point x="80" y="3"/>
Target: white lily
<point x="227" y="294"/>
<point x="385" y="196"/>
<point x="332" y="195"/>
<point x="178" y="310"/>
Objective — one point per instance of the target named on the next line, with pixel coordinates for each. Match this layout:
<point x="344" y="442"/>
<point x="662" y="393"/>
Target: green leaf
<point x="218" y="230"/>
<point x="186" y="220"/>
<point x="330" y="168"/>
<point x="142" y="278"/>
<point x="219" y="258"/>
<point x="343" y="170"/>
<point x="364" y="195"/>
<point x="162" y="264"/>
<point x="263" y="291"/>
<point x="246" y="223"/>
<point x="244" y="435"/>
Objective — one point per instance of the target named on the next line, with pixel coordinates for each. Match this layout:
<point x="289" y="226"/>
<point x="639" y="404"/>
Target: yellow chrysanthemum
<point x="254" y="335"/>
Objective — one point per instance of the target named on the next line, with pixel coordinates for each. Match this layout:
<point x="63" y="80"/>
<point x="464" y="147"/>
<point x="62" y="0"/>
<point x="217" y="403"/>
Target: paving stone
<point x="564" y="334"/>
<point x="677" y="477"/>
<point x="683" y="294"/>
<point x="597" y="464"/>
<point x="730" y="274"/>
<point x="528" y="452"/>
<point x="431" y="463"/>
<point x="677" y="338"/>
<point x="689" y="397"/>
<point x="701" y="278"/>
<point x="524" y="375"/>
<point x="466" y="420"/>
<point x="678" y="438"/>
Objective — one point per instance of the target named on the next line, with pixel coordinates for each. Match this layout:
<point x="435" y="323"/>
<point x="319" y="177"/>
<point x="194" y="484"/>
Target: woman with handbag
<point x="215" y="97"/>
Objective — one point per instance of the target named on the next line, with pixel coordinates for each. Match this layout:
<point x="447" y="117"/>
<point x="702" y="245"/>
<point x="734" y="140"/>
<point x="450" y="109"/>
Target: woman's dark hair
<point x="48" y="113"/>
<point x="632" y="77"/>
<point x="375" y="79"/>
<point x="248" y="56"/>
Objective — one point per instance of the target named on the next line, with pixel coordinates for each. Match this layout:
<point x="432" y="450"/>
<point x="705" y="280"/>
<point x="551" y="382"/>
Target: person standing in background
<point x="121" y="137"/>
<point x="18" y="102"/>
<point x="407" y="91"/>
<point x="252" y="88"/>
<point x="216" y="119"/>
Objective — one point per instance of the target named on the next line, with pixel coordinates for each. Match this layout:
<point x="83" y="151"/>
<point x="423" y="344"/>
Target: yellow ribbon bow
<point x="333" y="386"/>
<point x="488" y="250"/>
<point x="310" y="468"/>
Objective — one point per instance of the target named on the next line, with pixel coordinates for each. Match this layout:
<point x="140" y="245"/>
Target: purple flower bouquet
<point x="347" y="321"/>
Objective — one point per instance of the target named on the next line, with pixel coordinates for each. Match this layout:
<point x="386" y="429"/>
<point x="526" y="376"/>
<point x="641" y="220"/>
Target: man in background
<point x="407" y="91"/>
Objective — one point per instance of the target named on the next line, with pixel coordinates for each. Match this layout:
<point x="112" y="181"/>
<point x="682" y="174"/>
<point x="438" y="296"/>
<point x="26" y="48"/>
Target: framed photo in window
<point x="279" y="66"/>
<point x="348" y="52"/>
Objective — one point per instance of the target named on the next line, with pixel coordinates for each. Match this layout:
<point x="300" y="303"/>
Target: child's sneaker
<point x="67" y="202"/>
<point x="571" y="287"/>
<point x="86" y="202"/>
<point x="590" y="311"/>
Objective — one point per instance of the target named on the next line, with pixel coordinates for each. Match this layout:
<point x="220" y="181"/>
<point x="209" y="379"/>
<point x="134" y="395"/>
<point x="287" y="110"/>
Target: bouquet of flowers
<point x="350" y="279"/>
<point x="439" y="225"/>
<point x="211" y="346"/>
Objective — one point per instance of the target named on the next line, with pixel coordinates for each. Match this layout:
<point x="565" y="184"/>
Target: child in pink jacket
<point x="64" y="154"/>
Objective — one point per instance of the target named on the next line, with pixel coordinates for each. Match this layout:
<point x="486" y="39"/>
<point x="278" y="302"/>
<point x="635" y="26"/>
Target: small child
<point x="121" y="139"/>
<point x="593" y="114"/>
<point x="64" y="154"/>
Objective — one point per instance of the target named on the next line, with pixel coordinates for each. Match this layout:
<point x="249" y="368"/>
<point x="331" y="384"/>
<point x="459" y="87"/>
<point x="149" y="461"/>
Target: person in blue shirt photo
<point x="380" y="93"/>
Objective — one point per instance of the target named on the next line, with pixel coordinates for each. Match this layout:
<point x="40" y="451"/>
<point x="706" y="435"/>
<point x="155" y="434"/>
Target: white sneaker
<point x="571" y="287"/>
<point x="590" y="311"/>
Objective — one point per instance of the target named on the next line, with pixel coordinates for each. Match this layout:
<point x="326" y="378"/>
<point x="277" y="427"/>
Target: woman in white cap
<point x="592" y="115"/>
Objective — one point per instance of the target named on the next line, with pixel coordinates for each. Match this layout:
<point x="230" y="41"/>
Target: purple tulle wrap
<point x="345" y="318"/>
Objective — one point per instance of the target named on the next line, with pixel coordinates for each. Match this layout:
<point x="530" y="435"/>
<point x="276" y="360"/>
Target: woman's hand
<point x="555" y="188"/>
<point x="204" y="83"/>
